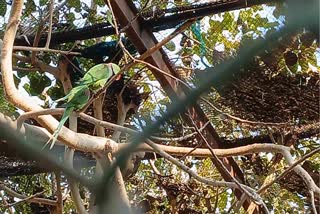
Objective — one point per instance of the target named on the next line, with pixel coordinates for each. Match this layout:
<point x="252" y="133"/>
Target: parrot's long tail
<point x="63" y="120"/>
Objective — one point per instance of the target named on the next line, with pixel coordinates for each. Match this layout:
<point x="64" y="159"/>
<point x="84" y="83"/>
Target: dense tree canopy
<point x="228" y="95"/>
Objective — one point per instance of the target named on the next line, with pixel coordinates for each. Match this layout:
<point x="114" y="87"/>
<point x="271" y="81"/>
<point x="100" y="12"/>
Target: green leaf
<point x="55" y="92"/>
<point x="30" y="7"/>
<point x="109" y="17"/>
<point x="38" y="82"/>
<point x="5" y="107"/>
<point x="271" y="24"/>
<point x="99" y="2"/>
<point x="304" y="64"/>
<point x="74" y="3"/>
<point x="16" y="80"/>
<point x="311" y="56"/>
<point x="43" y="2"/>
<point x="3" y="7"/>
<point x="216" y="26"/>
<point x="27" y="87"/>
<point x="70" y="17"/>
<point x="170" y="46"/>
<point x="294" y="68"/>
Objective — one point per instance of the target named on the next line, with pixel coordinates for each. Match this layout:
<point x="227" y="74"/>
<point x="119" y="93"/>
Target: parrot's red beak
<point x="118" y="77"/>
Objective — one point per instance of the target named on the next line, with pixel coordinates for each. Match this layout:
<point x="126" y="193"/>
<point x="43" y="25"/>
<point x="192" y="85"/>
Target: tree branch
<point x="32" y="199"/>
<point x="217" y="162"/>
<point x="80" y="141"/>
<point x="27" y="48"/>
<point x="50" y="24"/>
<point x="40" y="65"/>
<point x="180" y="151"/>
<point x="69" y="152"/>
<point x="291" y="167"/>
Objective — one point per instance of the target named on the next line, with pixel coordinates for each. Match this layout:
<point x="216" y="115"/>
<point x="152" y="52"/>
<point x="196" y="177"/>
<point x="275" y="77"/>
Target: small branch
<point x="291" y="167"/>
<point x="59" y="7"/>
<point x="50" y="24"/>
<point x="252" y="207"/>
<point x="94" y="121"/>
<point x="140" y="60"/>
<point x="6" y="204"/>
<point x="34" y="114"/>
<point x="186" y="169"/>
<point x="59" y="193"/>
<point x="218" y="163"/>
<point x="27" y="199"/>
<point x="40" y="65"/>
<point x="69" y="152"/>
<point x="26" y="48"/>
<point x="153" y="167"/>
<point x="236" y="205"/>
<point x="301" y="172"/>
<point x="160" y="44"/>
<point x="101" y="160"/>
<point x="285" y="151"/>
<point x="37" y="38"/>
<point x="98" y="114"/>
<point x="25" y="69"/>
<point x="115" y="24"/>
<point x="31" y="199"/>
<point x="313" y="205"/>
<point x="240" y="120"/>
<point x="216" y="200"/>
<point x="122" y="113"/>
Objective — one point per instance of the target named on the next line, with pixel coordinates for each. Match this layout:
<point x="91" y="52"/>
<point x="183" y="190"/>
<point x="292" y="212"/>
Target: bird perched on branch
<point x="78" y="97"/>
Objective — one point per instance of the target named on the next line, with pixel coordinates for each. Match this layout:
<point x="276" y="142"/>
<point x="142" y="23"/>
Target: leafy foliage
<point x="5" y="107"/>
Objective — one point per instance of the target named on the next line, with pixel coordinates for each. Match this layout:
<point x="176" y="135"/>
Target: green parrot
<point x="98" y="75"/>
<point x="78" y="97"/>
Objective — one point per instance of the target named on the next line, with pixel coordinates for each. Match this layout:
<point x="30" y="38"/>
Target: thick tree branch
<point x="79" y="141"/>
<point x="180" y="151"/>
<point x="103" y="124"/>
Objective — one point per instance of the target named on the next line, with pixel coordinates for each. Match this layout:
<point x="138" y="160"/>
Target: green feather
<point x="78" y="97"/>
<point x="98" y="73"/>
<point x="63" y="120"/>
